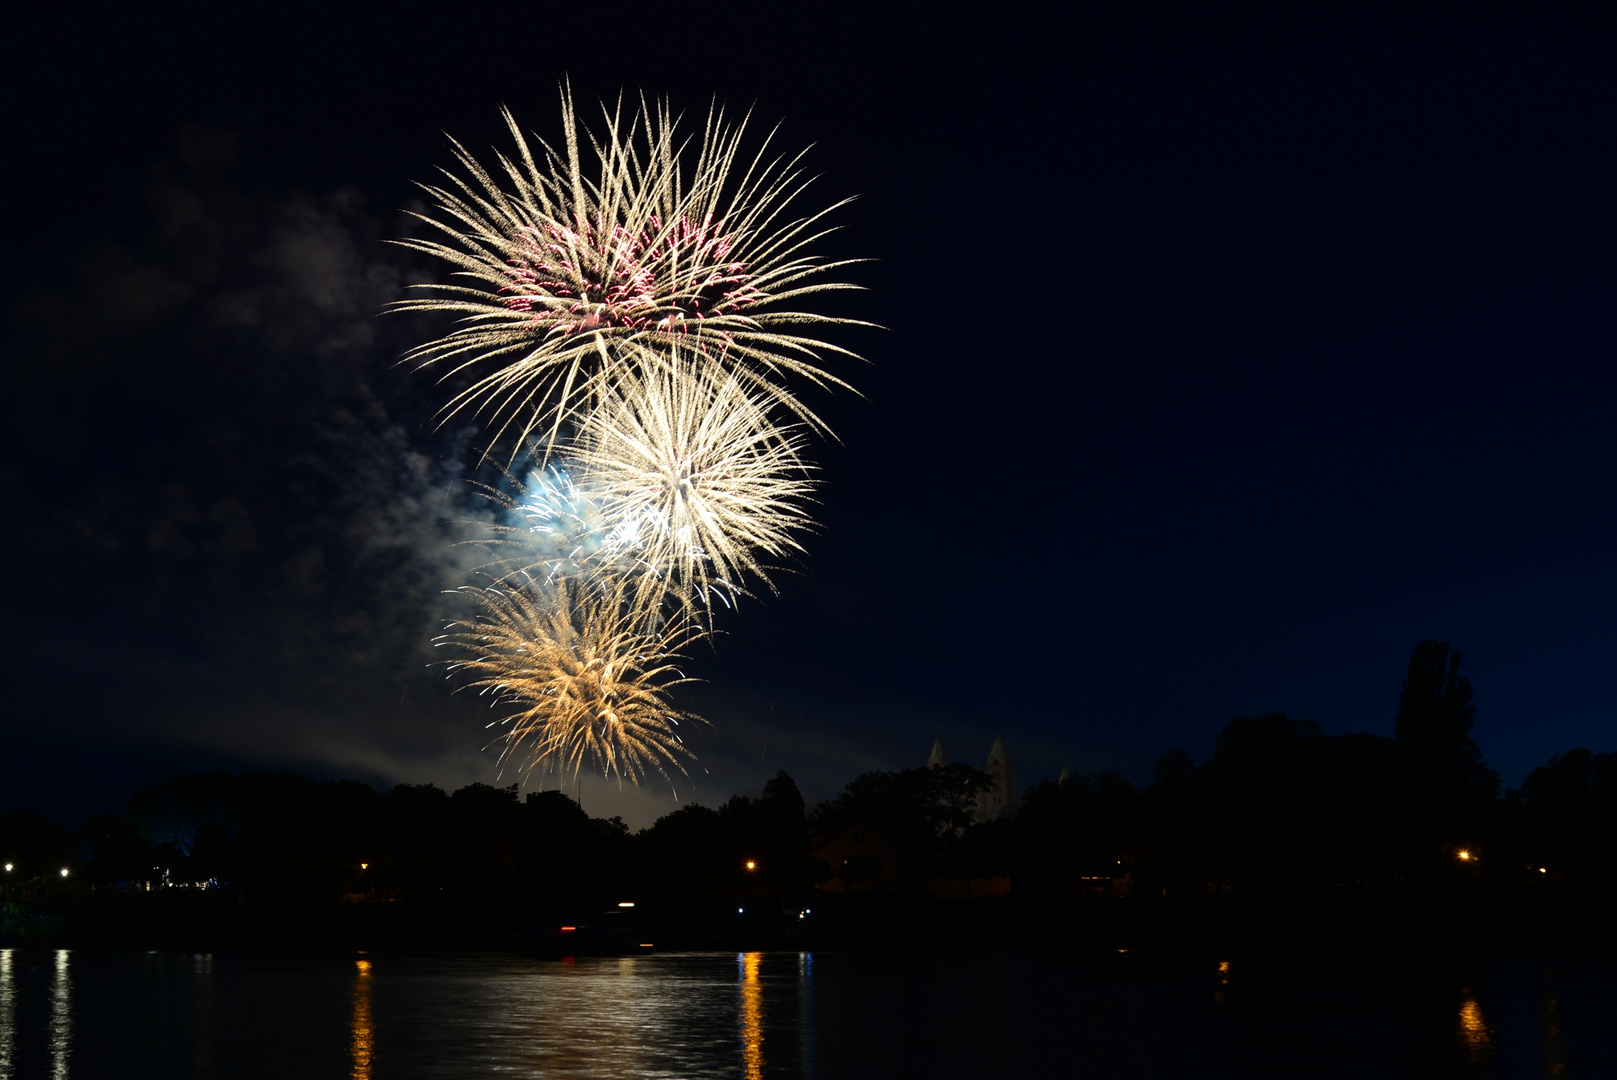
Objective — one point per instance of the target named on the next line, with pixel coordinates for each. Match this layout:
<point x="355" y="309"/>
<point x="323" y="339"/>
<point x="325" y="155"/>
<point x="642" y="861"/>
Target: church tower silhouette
<point x="1004" y="798"/>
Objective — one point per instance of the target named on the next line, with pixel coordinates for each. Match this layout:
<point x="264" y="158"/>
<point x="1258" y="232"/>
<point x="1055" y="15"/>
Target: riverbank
<point x="213" y="919"/>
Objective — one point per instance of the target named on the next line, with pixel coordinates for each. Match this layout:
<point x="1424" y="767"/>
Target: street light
<point x="751" y="865"/>
<point x="64" y="871"/>
<point x="8" y="868"/>
<point x="1465" y="856"/>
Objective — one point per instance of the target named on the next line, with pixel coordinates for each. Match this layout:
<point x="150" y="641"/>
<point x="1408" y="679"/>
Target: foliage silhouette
<point x="1280" y="809"/>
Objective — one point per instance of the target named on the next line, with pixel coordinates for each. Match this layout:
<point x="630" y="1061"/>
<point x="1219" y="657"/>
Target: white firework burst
<point x="704" y="488"/>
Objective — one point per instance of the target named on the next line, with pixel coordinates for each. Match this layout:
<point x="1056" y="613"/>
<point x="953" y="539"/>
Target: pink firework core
<point x="597" y="276"/>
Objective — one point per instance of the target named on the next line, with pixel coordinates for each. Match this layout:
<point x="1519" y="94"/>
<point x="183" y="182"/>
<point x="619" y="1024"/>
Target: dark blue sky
<point x="1226" y="360"/>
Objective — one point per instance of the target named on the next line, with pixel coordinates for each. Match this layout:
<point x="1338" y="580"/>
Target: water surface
<point x="69" y="1013"/>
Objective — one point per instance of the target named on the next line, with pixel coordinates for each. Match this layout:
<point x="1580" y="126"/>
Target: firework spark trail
<point x="585" y="677"/>
<point x="572" y="266"/>
<point x="626" y="311"/>
<point x="701" y="484"/>
<point x="550" y="527"/>
<point x="679" y="483"/>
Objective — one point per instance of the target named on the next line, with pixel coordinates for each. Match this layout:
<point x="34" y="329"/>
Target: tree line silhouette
<point x="1280" y="809"/>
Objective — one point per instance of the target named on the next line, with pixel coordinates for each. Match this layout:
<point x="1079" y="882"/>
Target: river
<point x="71" y="1013"/>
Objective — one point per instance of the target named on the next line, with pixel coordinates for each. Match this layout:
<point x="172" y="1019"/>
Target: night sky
<point x="1224" y="360"/>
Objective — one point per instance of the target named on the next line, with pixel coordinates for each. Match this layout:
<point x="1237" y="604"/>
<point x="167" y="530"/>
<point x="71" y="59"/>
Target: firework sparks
<point x="627" y="309"/>
<point x="585" y="678"/>
<point x="552" y="529"/>
<point x="700" y="482"/>
<point x="572" y="266"/>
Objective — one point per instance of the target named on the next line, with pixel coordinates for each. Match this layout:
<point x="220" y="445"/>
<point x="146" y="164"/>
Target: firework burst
<point x="552" y="529"/>
<point x="701" y="483"/>
<point x="626" y="309"/>
<point x="583" y="677"/>
<point x="572" y="265"/>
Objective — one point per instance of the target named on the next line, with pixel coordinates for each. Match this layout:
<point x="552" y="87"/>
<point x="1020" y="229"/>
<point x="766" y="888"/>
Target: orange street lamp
<point x="751" y="865"/>
<point x="1465" y="856"/>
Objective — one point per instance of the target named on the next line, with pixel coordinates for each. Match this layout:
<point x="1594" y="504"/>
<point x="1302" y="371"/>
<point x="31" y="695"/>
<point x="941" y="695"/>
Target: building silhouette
<point x="1004" y="798"/>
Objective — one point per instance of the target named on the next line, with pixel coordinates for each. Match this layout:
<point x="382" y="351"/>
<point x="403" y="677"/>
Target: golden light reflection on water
<point x="1554" y="1056"/>
<point x="361" y="1034"/>
<point x="752" y="1017"/>
<point x="1474" y="1033"/>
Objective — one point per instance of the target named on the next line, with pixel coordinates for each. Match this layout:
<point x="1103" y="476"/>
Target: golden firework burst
<point x="582" y="677"/>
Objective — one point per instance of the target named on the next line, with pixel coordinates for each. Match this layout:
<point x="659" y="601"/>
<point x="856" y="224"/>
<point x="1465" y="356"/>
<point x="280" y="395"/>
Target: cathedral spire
<point x="1004" y="798"/>
<point x="937" y="759"/>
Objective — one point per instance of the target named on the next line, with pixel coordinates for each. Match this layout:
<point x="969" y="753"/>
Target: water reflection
<point x="1554" y="1056"/>
<point x="8" y="1016"/>
<point x="752" y="1016"/>
<point x="61" y="1025"/>
<point x="361" y="1032"/>
<point x="202" y="1014"/>
<point x="1474" y="1033"/>
<point x="805" y="1010"/>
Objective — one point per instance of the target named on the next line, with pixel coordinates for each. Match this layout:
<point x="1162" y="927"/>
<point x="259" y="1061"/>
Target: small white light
<point x="8" y="868"/>
<point x="626" y="903"/>
<point x="739" y="911"/>
<point x="64" y="871"/>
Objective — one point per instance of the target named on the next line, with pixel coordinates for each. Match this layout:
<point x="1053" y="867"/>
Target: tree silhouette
<point x="920" y="811"/>
<point x="1568" y="807"/>
<point x="1071" y="830"/>
<point x="1449" y="787"/>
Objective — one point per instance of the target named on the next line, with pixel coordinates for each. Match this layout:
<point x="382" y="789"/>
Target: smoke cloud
<point x="259" y="514"/>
